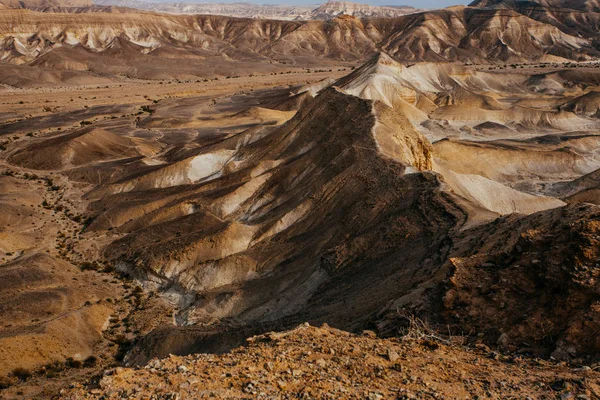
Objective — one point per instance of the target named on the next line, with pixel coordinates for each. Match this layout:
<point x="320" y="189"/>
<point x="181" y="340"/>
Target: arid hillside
<point x="236" y="207"/>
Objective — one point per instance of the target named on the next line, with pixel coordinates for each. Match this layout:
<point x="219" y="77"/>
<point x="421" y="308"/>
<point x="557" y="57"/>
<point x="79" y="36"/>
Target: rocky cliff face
<point x="534" y="281"/>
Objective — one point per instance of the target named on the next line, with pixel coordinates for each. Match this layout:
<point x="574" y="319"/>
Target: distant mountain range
<point x="111" y="39"/>
<point x="37" y="4"/>
<point x="325" y="11"/>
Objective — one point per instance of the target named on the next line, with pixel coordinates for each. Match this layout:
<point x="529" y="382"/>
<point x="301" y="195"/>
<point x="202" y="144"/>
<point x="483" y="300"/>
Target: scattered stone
<point x="392" y="355"/>
<point x="503" y="340"/>
<point x="482" y="347"/>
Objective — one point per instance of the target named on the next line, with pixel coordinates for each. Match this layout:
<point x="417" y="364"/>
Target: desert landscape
<point x="338" y="201"/>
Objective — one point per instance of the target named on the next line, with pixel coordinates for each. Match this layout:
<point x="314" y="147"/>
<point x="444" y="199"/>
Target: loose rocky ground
<point x="325" y="363"/>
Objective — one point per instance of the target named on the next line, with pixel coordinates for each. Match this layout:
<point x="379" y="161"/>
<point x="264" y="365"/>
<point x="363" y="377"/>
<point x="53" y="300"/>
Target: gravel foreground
<point x="326" y="363"/>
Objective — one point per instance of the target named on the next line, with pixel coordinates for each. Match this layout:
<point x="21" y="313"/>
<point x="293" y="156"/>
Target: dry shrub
<point x="21" y="373"/>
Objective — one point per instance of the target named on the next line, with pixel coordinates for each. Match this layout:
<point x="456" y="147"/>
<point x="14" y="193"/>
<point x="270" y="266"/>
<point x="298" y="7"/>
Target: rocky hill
<point x="247" y="229"/>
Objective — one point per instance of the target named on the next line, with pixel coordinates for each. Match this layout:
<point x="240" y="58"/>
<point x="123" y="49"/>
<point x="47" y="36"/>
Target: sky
<point x="414" y="3"/>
